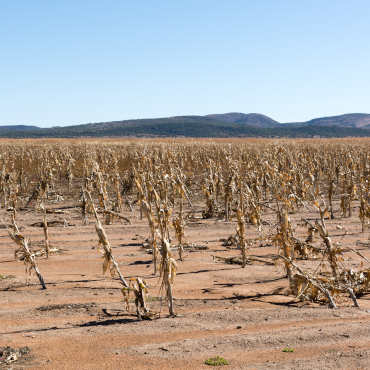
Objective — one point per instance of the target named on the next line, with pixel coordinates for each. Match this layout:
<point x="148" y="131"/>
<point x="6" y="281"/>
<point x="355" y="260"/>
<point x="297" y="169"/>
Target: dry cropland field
<point x="167" y="254"/>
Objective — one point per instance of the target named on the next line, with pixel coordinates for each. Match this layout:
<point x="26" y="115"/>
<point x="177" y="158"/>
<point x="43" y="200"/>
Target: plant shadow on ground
<point x="35" y="330"/>
<point x="203" y="271"/>
<point x="94" y="323"/>
<point x="256" y="297"/>
<point x="230" y="285"/>
<point x="259" y="297"/>
<point x="108" y="322"/>
<point x="140" y="263"/>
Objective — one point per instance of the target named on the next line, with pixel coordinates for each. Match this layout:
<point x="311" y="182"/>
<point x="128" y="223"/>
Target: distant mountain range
<point x="355" y="120"/>
<point x="19" y="127"/>
<point x="252" y="119"/>
<point x="212" y="125"/>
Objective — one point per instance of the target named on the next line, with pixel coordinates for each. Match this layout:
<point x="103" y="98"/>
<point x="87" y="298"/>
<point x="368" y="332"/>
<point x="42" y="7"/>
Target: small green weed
<point x="155" y="299"/>
<point x="288" y="350"/>
<point x="216" y="361"/>
<point x="3" y="277"/>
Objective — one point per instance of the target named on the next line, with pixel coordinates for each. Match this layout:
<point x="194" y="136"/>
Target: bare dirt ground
<point x="242" y="315"/>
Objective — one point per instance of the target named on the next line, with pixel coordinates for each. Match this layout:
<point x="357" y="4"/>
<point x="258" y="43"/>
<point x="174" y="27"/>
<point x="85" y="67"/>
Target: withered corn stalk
<point x="241" y="240"/>
<point x="330" y="253"/>
<point x="178" y="225"/>
<point x="24" y="254"/>
<point x="84" y="206"/>
<point x="283" y="238"/>
<point x="364" y="213"/>
<point x="307" y="277"/>
<point x="148" y="213"/>
<point x="255" y="213"/>
<point x="140" y="291"/>
<point x="168" y="265"/>
<point x="146" y="210"/>
<point x="167" y="268"/>
<point x="101" y="188"/>
<point x="229" y="193"/>
<point x="46" y="232"/>
<point x="15" y="202"/>
<point x="211" y="189"/>
<point x="331" y="189"/>
<point x="109" y="261"/>
<point x="178" y="222"/>
<point x="117" y="180"/>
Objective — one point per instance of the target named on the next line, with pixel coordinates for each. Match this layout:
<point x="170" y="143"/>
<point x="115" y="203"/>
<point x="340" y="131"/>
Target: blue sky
<point x="74" y="62"/>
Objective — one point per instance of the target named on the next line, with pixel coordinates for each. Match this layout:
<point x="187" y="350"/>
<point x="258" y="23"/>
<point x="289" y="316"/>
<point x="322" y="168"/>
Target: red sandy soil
<point x="242" y="315"/>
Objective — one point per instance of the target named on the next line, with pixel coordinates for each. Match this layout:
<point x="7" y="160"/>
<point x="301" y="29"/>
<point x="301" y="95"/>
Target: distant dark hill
<point x="19" y="127"/>
<point x="356" y="120"/>
<point x="130" y="122"/>
<point x="252" y="119"/>
<point x="213" y="125"/>
<point x="186" y="128"/>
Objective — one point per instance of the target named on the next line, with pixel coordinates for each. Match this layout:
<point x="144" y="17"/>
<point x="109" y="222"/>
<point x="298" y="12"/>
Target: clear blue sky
<point x="73" y="62"/>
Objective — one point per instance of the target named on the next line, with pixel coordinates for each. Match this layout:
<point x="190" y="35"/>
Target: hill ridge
<point x="215" y="125"/>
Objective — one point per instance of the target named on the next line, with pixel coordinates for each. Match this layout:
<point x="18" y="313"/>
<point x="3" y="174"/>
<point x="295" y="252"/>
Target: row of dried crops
<point x="238" y="181"/>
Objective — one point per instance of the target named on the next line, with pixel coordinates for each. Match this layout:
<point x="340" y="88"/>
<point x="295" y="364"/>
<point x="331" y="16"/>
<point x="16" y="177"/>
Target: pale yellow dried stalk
<point x="141" y="293"/>
<point x="168" y="269"/>
<point x="241" y="240"/>
<point x="24" y="254"/>
<point x="109" y="261"/>
<point x="46" y="232"/>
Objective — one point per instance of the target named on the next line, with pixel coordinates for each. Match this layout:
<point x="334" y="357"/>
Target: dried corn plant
<point x="141" y="294"/>
<point x="211" y="189"/>
<point x="46" y="232"/>
<point x="364" y="212"/>
<point x="168" y="269"/>
<point x="178" y="222"/>
<point x="241" y="240"/>
<point x="284" y="238"/>
<point x="159" y="225"/>
<point x="14" y="196"/>
<point x="24" y="254"/>
<point x="118" y="206"/>
<point x="229" y="192"/>
<point x="109" y="261"/>
<point x="4" y="183"/>
<point x="253" y="210"/>
<point x="167" y="264"/>
<point x="84" y="205"/>
<point x="147" y="211"/>
<point x="322" y="284"/>
<point x="100" y="185"/>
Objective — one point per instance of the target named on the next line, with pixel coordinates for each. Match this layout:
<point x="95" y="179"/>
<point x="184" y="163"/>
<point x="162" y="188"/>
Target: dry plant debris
<point x="66" y="305"/>
<point x="9" y="354"/>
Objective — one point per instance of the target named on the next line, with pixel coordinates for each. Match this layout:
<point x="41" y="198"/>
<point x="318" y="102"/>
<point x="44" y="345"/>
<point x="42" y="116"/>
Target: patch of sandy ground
<point x="243" y="315"/>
